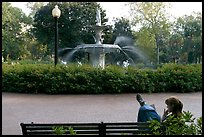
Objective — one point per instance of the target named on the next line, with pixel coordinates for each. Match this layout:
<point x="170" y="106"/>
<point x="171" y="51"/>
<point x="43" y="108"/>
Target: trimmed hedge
<point x="85" y="79"/>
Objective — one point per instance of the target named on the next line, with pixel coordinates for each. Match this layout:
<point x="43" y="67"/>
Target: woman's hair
<point x="175" y="103"/>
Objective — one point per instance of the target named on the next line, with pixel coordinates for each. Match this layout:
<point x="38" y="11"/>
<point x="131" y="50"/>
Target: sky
<point x="118" y="9"/>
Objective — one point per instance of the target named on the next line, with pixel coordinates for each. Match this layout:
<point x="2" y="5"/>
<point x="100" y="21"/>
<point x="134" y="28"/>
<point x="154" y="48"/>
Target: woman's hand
<point x="166" y="112"/>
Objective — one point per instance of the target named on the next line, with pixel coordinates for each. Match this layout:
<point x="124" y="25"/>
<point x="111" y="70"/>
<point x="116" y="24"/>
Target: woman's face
<point x="169" y="107"/>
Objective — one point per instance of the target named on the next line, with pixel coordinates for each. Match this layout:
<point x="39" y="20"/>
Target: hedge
<point x="85" y="79"/>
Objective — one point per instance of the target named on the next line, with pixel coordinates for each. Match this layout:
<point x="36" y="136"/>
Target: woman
<point x="174" y="107"/>
<point x="148" y="112"/>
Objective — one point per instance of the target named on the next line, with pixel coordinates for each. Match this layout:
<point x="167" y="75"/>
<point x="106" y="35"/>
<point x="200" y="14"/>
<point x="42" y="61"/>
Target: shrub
<point x="184" y="125"/>
<point x="85" y="79"/>
<point x="60" y="130"/>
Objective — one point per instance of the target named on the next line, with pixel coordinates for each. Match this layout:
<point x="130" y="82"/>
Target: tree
<point x="14" y="21"/>
<point x="75" y="24"/>
<point x="146" y="42"/>
<point x="34" y="7"/>
<point x="190" y="28"/>
<point x="108" y="35"/>
<point x="152" y="15"/>
<point x="174" y="48"/>
<point x="122" y="27"/>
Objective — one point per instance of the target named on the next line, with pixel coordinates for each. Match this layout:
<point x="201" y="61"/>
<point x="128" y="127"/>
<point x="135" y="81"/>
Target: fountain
<point x="96" y="54"/>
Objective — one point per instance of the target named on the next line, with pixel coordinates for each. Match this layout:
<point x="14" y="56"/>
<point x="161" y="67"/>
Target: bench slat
<point x="119" y="128"/>
<point x="51" y="132"/>
<point x="65" y="127"/>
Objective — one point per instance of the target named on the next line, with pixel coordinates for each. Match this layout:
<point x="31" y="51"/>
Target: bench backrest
<point x="119" y="128"/>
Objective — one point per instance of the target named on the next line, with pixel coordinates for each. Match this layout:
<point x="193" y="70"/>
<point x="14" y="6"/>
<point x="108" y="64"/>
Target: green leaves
<point x="13" y="38"/>
<point x="73" y="79"/>
<point x="75" y="23"/>
<point x="184" y="125"/>
<point x="155" y="27"/>
<point x="60" y="130"/>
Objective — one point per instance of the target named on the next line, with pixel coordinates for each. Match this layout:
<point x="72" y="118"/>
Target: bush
<point x="184" y="125"/>
<point x="85" y="79"/>
<point x="181" y="78"/>
<point x="60" y="130"/>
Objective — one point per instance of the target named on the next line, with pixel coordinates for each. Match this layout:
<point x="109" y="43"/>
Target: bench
<point x="118" y="128"/>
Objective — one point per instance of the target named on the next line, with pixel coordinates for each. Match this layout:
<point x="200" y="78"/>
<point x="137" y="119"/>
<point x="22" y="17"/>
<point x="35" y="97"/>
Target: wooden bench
<point x="118" y="128"/>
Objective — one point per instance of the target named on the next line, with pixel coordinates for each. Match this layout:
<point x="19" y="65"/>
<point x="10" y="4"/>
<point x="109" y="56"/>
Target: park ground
<point x="17" y="108"/>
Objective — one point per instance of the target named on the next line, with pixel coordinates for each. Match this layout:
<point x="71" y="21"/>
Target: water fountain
<point x="96" y="54"/>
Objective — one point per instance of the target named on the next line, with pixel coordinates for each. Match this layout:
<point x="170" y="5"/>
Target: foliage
<point x="75" y="23"/>
<point x="122" y="27"/>
<point x="153" y="17"/>
<point x="32" y="36"/>
<point x="34" y="7"/>
<point x="180" y="78"/>
<point x="179" y="41"/>
<point x="85" y="79"/>
<point x="184" y="125"/>
<point x="14" y="22"/>
<point x="190" y="28"/>
<point x="62" y="130"/>
<point x="146" y="42"/>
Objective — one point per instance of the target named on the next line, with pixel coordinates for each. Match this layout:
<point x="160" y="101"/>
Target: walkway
<point x="17" y="108"/>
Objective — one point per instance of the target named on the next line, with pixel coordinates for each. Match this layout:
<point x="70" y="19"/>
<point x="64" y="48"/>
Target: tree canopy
<point x="153" y="17"/>
<point x="163" y="41"/>
<point x="75" y="23"/>
<point x="14" y="22"/>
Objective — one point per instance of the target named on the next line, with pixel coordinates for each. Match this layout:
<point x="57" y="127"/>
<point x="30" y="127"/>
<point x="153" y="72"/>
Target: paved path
<point x="17" y="108"/>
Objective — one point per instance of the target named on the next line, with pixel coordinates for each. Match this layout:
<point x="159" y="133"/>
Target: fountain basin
<point x="98" y="48"/>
